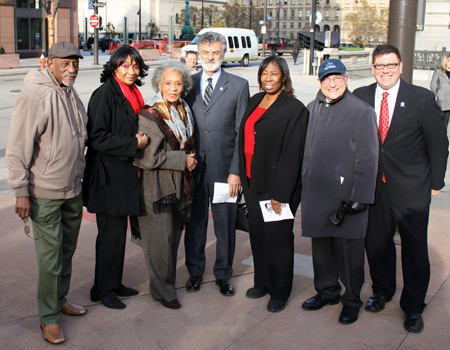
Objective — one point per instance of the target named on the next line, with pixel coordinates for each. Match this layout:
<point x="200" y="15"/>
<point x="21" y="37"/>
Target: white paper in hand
<point x="222" y="193"/>
<point x="269" y="214"/>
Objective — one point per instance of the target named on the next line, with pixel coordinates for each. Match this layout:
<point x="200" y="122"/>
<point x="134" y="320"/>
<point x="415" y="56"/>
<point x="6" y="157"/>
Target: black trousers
<point x="381" y="253"/>
<point x="339" y="258"/>
<point x="109" y="252"/>
<point x="272" y="247"/>
<point x="224" y="217"/>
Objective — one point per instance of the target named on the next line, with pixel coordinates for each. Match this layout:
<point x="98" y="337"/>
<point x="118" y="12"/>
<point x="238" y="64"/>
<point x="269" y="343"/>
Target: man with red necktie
<point x="412" y="164"/>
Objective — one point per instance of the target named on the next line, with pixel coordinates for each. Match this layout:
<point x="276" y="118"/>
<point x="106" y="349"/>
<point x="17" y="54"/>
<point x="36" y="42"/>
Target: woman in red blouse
<point x="271" y="143"/>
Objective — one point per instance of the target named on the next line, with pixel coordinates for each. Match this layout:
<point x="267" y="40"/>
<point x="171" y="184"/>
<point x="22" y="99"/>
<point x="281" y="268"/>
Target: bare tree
<point x="50" y="7"/>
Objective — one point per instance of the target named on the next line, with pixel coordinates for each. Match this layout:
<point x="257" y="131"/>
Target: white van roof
<point x="228" y="31"/>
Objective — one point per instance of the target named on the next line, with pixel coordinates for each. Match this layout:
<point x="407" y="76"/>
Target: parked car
<point x="242" y="45"/>
<point x="278" y="45"/>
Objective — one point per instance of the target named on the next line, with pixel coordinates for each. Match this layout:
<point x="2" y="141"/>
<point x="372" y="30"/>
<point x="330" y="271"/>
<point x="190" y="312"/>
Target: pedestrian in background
<point x="440" y="85"/>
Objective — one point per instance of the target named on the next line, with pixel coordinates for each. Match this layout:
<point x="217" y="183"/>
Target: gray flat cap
<point x="64" y="49"/>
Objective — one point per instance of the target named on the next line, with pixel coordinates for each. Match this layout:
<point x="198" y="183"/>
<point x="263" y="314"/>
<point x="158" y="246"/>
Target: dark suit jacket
<point x="280" y="135"/>
<point x="217" y="126"/>
<point x="414" y="154"/>
<point x="110" y="182"/>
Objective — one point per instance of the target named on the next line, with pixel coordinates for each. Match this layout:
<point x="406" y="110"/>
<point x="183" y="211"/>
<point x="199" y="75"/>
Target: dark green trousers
<point x="56" y="224"/>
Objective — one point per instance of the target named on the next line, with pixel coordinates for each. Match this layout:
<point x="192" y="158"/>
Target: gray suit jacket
<point x="217" y="126"/>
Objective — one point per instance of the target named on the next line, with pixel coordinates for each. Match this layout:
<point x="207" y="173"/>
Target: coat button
<point x="206" y="131"/>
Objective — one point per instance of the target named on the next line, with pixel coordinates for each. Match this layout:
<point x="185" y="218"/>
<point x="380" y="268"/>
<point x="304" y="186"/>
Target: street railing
<point x="428" y="60"/>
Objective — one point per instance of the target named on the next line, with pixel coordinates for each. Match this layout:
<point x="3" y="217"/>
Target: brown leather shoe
<point x="53" y="333"/>
<point x="72" y="309"/>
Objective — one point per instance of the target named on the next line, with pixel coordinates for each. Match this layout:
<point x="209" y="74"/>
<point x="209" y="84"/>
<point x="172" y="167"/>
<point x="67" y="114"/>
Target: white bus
<point x="242" y="45"/>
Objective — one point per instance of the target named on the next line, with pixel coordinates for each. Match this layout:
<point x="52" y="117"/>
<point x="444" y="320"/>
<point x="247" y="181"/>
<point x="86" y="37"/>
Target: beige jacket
<point x="46" y="143"/>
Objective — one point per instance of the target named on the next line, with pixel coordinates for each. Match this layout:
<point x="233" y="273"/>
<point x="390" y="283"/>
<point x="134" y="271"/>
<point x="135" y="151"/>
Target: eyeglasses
<point x="390" y="66"/>
<point x="27" y="229"/>
<point x="338" y="79"/>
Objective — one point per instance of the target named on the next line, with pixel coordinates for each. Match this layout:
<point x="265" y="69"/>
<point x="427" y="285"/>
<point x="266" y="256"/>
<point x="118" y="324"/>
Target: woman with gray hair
<point x="166" y="183"/>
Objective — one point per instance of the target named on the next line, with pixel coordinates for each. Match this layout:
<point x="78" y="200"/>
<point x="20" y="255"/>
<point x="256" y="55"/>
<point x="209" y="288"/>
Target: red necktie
<point x="384" y="121"/>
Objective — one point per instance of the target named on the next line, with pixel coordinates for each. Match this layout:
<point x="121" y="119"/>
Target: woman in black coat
<point x="271" y="143"/>
<point x="111" y="184"/>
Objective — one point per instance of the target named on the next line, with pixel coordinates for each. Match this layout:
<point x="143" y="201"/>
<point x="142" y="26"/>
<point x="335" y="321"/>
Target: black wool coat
<point x="110" y="184"/>
<point x="280" y="135"/>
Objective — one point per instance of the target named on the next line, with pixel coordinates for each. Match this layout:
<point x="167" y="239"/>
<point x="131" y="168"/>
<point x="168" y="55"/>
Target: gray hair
<point x="210" y="38"/>
<point x="176" y="67"/>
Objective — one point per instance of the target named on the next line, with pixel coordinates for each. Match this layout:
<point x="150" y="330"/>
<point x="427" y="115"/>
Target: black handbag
<point x="242" y="214"/>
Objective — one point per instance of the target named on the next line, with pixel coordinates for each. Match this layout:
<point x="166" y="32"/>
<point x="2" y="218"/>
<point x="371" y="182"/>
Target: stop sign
<point x="93" y="21"/>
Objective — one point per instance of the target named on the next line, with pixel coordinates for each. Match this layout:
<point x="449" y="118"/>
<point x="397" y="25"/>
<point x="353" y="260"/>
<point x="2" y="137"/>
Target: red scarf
<point x="133" y="95"/>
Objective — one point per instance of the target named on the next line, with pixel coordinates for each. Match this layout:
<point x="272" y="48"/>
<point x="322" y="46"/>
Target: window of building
<point x="299" y="24"/>
<point x="29" y="33"/>
<point x="292" y="13"/>
<point x="284" y="25"/>
<point x="308" y="13"/>
<point x="327" y="13"/>
<point x="300" y="13"/>
<point x="284" y="13"/>
<point x="292" y="2"/>
<point x="28" y="4"/>
<point x="300" y="2"/>
<point x="243" y="2"/>
<point x="270" y="2"/>
<point x="292" y="25"/>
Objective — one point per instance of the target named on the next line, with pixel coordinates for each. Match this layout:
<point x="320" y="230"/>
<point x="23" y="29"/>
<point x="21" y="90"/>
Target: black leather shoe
<point x="377" y="303"/>
<point x="110" y="301"/>
<point x="414" y="323"/>
<point x="256" y="293"/>
<point x="225" y="287"/>
<point x="349" y="314"/>
<point x="193" y="283"/>
<point x="123" y="291"/>
<point x="317" y="302"/>
<point x="276" y="305"/>
<point x="174" y="304"/>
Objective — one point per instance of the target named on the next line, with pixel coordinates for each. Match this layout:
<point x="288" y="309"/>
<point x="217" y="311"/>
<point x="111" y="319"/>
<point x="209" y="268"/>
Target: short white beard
<point x="212" y="70"/>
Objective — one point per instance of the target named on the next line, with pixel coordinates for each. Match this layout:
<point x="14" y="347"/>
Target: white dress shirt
<point x="204" y="80"/>
<point x="392" y="98"/>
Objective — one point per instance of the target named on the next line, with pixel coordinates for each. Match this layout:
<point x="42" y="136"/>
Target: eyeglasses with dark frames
<point x="391" y="66"/>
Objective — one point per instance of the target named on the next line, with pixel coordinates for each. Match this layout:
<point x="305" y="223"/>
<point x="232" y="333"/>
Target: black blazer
<point x="280" y="136"/>
<point x="110" y="183"/>
<point x="414" y="154"/>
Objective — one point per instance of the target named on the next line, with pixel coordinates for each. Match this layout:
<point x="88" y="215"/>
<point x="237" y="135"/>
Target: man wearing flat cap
<point x="45" y="158"/>
<point x="338" y="182"/>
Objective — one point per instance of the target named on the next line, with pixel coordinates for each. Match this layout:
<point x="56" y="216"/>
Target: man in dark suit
<point x="413" y="159"/>
<point x="218" y="100"/>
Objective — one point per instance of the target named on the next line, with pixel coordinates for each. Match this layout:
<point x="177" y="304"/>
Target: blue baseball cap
<point x="331" y="66"/>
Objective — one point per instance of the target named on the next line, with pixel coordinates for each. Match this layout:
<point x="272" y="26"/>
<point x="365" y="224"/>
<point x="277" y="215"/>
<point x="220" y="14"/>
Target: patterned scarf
<point x="178" y="118"/>
<point x="133" y="95"/>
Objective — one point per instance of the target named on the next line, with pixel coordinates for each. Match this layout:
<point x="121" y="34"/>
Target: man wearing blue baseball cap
<point x="339" y="172"/>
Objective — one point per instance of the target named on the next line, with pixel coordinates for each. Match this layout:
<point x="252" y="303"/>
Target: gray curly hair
<point x="176" y="67"/>
<point x="212" y="37"/>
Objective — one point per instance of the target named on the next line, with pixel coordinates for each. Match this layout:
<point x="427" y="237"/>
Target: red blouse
<point x="249" y="137"/>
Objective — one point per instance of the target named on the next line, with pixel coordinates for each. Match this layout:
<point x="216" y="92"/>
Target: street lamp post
<point x="202" y="15"/>
<point x="278" y="24"/>
<point x="313" y="37"/>
<point x="250" y="22"/>
<point x="139" y="38"/>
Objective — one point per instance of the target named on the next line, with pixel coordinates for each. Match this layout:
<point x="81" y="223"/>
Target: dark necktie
<point x="383" y="125"/>
<point x="208" y="92"/>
